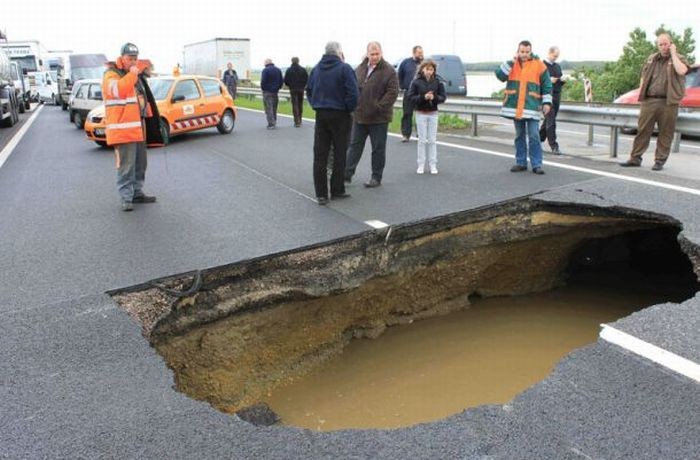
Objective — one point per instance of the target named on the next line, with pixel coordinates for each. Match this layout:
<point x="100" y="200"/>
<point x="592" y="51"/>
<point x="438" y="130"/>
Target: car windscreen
<point x="82" y="73"/>
<point x="160" y="87"/>
<point x="692" y="78"/>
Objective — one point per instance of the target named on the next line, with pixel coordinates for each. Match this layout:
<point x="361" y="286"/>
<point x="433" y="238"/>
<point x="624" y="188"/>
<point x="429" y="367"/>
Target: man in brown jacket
<point x="379" y="88"/>
<point x="661" y="89"/>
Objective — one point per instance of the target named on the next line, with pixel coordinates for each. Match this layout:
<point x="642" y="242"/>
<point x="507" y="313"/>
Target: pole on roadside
<point x="588" y="98"/>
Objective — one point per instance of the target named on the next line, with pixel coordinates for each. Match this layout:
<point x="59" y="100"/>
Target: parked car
<point x="450" y="70"/>
<point x="690" y="100"/>
<point x="186" y="103"/>
<point x="85" y="96"/>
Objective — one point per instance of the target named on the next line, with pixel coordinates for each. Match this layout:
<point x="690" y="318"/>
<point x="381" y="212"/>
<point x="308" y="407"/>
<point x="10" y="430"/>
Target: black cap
<point x="130" y="49"/>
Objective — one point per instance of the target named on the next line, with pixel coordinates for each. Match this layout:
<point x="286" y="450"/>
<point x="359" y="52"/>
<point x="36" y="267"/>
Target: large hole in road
<point x="505" y="292"/>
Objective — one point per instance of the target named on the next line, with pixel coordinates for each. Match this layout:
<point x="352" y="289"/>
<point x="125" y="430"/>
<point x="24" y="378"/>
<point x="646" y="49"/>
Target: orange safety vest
<point x="122" y="110"/>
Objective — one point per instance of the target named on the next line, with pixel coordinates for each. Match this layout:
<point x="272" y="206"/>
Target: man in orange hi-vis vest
<point x="131" y="119"/>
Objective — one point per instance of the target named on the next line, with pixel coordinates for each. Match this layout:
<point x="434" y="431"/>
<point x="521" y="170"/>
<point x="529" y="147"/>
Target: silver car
<point x="85" y="96"/>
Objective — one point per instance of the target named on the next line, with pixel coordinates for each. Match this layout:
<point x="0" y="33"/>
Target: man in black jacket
<point x="332" y="92"/>
<point x="548" y="130"/>
<point x="295" y="78"/>
<point x="407" y="72"/>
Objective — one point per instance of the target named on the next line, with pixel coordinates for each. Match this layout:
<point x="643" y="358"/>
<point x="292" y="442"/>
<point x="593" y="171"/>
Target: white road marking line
<point x="376" y="224"/>
<point x="676" y="188"/>
<point x="5" y="154"/>
<point x="647" y="350"/>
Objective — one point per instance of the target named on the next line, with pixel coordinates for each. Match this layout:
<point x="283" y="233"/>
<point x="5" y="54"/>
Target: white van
<point x="45" y="86"/>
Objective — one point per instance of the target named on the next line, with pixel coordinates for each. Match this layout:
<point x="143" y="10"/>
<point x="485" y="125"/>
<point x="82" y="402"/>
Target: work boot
<point x="658" y="166"/>
<point x="518" y="168"/>
<point x="144" y="199"/>
<point x="555" y="150"/>
<point x="322" y="200"/>
<point x="340" y="196"/>
<point x="127" y="206"/>
<point x="373" y="183"/>
<point x="539" y="171"/>
<point x="631" y="164"/>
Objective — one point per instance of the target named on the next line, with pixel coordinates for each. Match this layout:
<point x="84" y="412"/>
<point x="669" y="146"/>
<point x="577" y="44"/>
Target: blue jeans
<point x="527" y="131"/>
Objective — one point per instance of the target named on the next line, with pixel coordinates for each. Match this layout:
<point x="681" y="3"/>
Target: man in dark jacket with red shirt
<point x="332" y="92"/>
<point x="379" y="88"/>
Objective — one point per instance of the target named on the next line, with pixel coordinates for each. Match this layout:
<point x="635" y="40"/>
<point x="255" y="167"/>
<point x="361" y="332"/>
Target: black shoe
<point x="539" y="171"/>
<point x="270" y="126"/>
<point x="658" y="166"/>
<point x="630" y="164"/>
<point x="144" y="199"/>
<point x="322" y="200"/>
<point x="556" y="151"/>
<point x="406" y="139"/>
<point x="340" y="196"/>
<point x="127" y="206"/>
<point x="518" y="168"/>
<point x="373" y="183"/>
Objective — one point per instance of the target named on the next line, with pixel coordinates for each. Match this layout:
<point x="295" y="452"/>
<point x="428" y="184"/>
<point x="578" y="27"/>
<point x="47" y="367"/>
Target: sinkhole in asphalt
<point x="504" y="293"/>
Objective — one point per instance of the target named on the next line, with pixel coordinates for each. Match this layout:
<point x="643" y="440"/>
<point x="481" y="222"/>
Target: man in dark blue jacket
<point x="270" y="82"/>
<point x="332" y="92"/>
<point x="407" y="72"/>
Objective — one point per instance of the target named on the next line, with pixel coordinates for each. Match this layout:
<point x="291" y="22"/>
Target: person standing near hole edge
<point x="131" y="120"/>
<point x="528" y="93"/>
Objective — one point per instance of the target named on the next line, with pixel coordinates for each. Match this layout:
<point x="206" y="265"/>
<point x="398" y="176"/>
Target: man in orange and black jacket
<point x="131" y="120"/>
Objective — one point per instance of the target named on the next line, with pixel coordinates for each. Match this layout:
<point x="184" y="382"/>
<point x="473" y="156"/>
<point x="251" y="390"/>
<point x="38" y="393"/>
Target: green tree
<point x="623" y="75"/>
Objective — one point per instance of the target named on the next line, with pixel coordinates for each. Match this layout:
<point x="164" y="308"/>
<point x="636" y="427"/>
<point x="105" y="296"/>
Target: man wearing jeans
<point x="379" y="88"/>
<point x="271" y="81"/>
<point x="528" y="92"/>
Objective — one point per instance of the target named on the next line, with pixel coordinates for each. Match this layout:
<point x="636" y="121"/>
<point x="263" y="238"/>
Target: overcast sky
<point x="477" y="31"/>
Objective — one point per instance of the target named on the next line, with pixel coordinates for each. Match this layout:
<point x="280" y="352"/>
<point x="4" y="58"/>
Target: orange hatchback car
<point x="186" y="103"/>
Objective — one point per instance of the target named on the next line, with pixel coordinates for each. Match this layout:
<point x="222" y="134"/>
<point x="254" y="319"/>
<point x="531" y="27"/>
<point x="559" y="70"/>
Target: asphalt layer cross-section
<point x="77" y="380"/>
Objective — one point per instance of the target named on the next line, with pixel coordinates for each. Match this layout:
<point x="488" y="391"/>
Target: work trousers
<point x="407" y="118"/>
<point x="297" y="98"/>
<point x="270" y="100"/>
<point x="131" y="169"/>
<point x="655" y="111"/>
<point x="548" y="130"/>
<point x="332" y="129"/>
<point x="377" y="133"/>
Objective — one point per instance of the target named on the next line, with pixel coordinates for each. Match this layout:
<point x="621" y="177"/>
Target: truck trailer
<point x="210" y="57"/>
<point x="9" y="102"/>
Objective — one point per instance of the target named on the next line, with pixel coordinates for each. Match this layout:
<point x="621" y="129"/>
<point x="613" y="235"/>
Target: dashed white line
<point x="376" y="224"/>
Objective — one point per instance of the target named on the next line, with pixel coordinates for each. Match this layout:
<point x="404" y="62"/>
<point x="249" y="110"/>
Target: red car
<point x="692" y="91"/>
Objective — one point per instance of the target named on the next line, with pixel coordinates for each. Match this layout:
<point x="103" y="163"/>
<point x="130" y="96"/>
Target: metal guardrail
<point x="613" y="116"/>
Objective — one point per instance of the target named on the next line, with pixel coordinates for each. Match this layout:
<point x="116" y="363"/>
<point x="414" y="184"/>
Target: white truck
<point x="9" y="102"/>
<point x="29" y="54"/>
<point x="210" y="57"/>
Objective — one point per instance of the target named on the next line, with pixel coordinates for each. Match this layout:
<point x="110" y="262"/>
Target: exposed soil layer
<point x="243" y="329"/>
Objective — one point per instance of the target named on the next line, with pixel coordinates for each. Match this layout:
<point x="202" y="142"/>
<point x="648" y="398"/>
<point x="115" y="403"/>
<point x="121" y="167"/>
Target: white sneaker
<point x="420" y="170"/>
<point x="433" y="170"/>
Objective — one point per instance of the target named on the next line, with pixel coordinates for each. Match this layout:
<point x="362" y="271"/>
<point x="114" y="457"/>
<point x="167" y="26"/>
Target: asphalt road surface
<point x="78" y="380"/>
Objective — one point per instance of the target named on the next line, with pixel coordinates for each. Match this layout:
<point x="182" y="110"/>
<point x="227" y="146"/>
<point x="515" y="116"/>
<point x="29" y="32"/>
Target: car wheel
<point x="78" y="120"/>
<point x="22" y="109"/>
<point x="64" y="106"/>
<point x="101" y="143"/>
<point x="70" y="116"/>
<point x="27" y="104"/>
<point x="165" y="131"/>
<point x="226" y="123"/>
